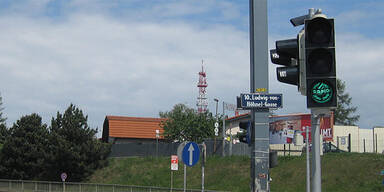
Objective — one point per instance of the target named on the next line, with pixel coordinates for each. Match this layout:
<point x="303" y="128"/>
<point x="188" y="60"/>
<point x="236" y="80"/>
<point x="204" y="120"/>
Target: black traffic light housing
<point x="245" y="132"/>
<point x="286" y="53"/>
<point x="290" y="53"/>
<point x="320" y="62"/>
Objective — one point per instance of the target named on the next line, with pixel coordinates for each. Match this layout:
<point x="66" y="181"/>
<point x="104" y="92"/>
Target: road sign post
<point x="63" y="178"/>
<point x="174" y="167"/>
<point x="190" y="156"/>
<point x="259" y="83"/>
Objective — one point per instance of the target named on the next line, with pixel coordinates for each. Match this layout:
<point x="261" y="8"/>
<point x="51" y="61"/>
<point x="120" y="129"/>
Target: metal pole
<point x="316" y="144"/>
<point x="373" y="140"/>
<point x="337" y="142"/>
<point x="376" y="141"/>
<point x="230" y="142"/>
<point x="157" y="147"/>
<point x="289" y="150"/>
<point x="223" y="152"/>
<point x="203" y="168"/>
<point x="307" y="153"/>
<point x="217" y="105"/>
<point x="259" y="84"/>
<point x="157" y="142"/>
<point x="185" y="177"/>
<point x="349" y="143"/>
<point x="171" y="180"/>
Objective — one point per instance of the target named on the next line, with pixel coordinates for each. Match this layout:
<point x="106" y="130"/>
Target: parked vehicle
<point x="329" y="147"/>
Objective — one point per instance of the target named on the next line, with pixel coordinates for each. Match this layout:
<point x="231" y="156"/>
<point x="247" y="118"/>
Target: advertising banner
<point x="283" y="128"/>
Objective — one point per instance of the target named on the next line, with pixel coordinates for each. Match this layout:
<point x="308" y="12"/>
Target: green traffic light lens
<point x="322" y="92"/>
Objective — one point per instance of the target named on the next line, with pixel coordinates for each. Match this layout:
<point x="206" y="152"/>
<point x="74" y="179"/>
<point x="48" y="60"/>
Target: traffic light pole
<point x="259" y="84"/>
<point x="316" y="115"/>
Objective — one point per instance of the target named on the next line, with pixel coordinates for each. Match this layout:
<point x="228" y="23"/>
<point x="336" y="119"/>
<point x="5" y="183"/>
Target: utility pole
<point x="259" y="84"/>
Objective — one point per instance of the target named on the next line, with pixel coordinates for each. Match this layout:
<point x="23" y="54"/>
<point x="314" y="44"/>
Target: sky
<point x="137" y="58"/>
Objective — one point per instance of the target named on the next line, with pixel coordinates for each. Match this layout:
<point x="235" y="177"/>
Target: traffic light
<point x="286" y="53"/>
<point x="320" y="62"/>
<point x="289" y="53"/>
<point x="244" y="134"/>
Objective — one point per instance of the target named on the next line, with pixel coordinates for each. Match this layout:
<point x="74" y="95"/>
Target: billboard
<point x="282" y="129"/>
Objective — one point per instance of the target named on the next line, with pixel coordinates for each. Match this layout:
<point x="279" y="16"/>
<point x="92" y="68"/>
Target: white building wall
<point x="366" y="140"/>
<point x="340" y="137"/>
<point x="378" y="134"/>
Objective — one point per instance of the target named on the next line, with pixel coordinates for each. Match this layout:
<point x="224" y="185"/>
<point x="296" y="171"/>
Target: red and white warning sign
<point x="174" y="163"/>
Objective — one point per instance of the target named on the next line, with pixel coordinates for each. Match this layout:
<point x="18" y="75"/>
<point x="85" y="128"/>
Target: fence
<point x="213" y="148"/>
<point x="41" y="186"/>
<point x="168" y="149"/>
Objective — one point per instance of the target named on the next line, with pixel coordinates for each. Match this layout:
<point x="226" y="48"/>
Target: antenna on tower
<point x="202" y="102"/>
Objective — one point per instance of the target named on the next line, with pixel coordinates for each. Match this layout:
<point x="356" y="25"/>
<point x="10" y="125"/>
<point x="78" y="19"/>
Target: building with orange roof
<point x="120" y="129"/>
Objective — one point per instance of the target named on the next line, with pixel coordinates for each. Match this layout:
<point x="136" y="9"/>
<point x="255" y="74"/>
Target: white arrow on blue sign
<point x="191" y="154"/>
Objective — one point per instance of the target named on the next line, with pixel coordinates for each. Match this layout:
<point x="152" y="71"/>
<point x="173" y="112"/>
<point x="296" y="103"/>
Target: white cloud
<point x="123" y="66"/>
<point x="110" y="67"/>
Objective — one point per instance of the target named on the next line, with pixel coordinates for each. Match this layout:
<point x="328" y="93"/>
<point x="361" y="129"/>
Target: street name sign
<point x="258" y="100"/>
<point x="191" y="154"/>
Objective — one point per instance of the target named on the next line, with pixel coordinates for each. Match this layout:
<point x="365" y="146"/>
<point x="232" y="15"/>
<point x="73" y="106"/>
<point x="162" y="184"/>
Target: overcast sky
<point x="136" y="58"/>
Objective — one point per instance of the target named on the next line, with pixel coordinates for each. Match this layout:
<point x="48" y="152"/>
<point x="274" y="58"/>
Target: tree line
<point x="32" y="150"/>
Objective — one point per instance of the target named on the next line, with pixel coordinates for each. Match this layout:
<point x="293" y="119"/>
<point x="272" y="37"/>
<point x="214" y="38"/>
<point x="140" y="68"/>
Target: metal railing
<point x="45" y="186"/>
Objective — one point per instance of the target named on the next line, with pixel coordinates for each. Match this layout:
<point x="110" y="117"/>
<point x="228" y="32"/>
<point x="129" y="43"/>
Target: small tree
<point x="185" y="124"/>
<point x="3" y="127"/>
<point x="344" y="113"/>
<point x="24" y="151"/>
<point x="73" y="147"/>
<point x="3" y="134"/>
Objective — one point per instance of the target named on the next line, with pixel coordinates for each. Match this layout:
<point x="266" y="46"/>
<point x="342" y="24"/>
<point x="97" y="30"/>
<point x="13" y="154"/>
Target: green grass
<point x="340" y="172"/>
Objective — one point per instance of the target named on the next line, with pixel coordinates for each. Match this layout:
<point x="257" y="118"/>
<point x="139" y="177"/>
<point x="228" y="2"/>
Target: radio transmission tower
<point x="202" y="102"/>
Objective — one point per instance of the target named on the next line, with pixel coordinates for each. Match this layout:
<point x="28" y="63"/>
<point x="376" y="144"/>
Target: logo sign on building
<point x="174" y="163"/>
<point x="257" y="100"/>
<point x="191" y="154"/>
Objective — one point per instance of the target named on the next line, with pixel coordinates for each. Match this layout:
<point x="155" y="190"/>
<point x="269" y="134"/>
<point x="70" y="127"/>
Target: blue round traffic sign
<point x="191" y="154"/>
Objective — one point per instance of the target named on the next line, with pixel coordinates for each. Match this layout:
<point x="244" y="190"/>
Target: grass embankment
<point x="340" y="172"/>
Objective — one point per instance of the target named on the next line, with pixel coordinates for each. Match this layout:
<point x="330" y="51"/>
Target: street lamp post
<point x="217" y="105"/>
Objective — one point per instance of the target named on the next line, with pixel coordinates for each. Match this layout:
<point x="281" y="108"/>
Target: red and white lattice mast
<point x="202" y="102"/>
